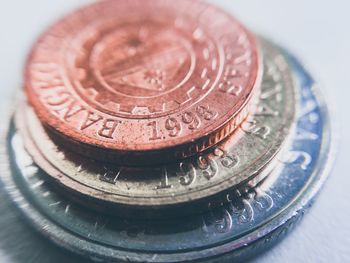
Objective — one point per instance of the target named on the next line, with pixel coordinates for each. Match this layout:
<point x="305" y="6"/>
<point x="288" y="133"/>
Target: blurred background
<point x="317" y="31"/>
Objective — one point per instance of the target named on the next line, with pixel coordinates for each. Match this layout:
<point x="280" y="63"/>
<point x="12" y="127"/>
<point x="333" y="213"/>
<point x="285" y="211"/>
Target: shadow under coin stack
<point x="155" y="131"/>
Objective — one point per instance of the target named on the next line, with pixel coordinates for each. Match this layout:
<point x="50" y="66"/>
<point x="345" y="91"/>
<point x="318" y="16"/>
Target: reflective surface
<point x="240" y="158"/>
<point x="253" y="216"/>
<point x="324" y="234"/>
<point x="141" y="82"/>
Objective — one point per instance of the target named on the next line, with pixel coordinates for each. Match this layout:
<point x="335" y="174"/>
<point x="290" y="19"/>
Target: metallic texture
<point x="251" y="222"/>
<point x="207" y="179"/>
<point x="147" y="81"/>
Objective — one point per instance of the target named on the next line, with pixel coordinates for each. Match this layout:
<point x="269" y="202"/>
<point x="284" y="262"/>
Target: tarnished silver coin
<point x="252" y="221"/>
<point x="244" y="156"/>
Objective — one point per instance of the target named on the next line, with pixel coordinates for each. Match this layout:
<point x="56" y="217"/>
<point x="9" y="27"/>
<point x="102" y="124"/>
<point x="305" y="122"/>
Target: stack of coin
<point x="155" y="131"/>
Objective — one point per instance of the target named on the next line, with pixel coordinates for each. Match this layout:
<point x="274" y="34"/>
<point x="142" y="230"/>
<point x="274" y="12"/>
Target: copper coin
<point x="138" y="78"/>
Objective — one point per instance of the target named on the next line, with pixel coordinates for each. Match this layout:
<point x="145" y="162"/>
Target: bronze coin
<point x="249" y="154"/>
<point x="149" y="79"/>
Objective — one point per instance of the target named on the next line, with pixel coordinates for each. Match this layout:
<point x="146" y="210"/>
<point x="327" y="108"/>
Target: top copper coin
<point x="143" y="76"/>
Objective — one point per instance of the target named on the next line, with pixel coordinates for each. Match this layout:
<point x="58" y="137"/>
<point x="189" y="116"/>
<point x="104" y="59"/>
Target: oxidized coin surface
<point x="241" y="157"/>
<point x="249" y="224"/>
<point x="122" y="79"/>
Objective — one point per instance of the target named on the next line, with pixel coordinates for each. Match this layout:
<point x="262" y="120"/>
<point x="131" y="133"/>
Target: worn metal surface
<point x="147" y="81"/>
<point x="318" y="35"/>
<point x="245" y="226"/>
<point x="248" y="154"/>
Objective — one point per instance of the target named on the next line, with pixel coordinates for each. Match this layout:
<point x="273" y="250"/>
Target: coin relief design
<point x="239" y="158"/>
<point x="144" y="77"/>
<point x="262" y="213"/>
<point x="162" y="131"/>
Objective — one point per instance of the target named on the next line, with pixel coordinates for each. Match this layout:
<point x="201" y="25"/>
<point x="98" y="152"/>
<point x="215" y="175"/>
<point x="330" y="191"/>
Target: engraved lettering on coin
<point x="253" y="218"/>
<point x="146" y="76"/>
<point x="237" y="159"/>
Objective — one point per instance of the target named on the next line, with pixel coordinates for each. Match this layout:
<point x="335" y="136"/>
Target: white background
<point x="318" y="31"/>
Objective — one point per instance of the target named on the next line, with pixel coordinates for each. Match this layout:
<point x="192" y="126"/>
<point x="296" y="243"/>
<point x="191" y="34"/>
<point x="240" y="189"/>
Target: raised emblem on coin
<point x="144" y="76"/>
<point x="250" y="152"/>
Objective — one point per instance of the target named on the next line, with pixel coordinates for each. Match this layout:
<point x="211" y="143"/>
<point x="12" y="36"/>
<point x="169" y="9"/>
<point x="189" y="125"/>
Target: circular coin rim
<point x="165" y="200"/>
<point x="212" y="135"/>
<point x="67" y="240"/>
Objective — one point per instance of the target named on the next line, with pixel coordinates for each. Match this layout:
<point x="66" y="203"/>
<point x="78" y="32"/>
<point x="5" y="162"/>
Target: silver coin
<point x="251" y="222"/>
<point x="245" y="155"/>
